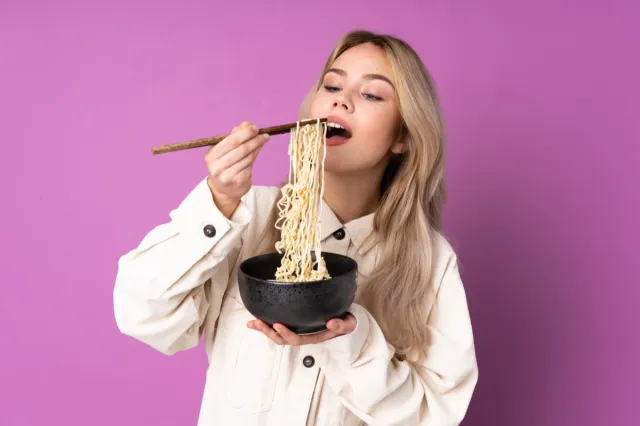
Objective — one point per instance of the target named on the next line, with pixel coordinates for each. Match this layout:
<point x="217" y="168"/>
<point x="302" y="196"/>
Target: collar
<point x="357" y="230"/>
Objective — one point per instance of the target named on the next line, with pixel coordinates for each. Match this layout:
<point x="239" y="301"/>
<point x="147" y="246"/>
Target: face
<point x="357" y="93"/>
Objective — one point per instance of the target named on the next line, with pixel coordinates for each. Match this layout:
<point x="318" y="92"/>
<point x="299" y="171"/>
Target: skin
<point x="358" y="90"/>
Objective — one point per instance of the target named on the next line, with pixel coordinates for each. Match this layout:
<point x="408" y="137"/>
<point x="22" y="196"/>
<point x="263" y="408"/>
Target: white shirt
<point x="181" y="282"/>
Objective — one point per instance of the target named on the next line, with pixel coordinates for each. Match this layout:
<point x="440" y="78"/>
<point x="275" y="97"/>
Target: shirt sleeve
<point x="381" y="390"/>
<point x="166" y="286"/>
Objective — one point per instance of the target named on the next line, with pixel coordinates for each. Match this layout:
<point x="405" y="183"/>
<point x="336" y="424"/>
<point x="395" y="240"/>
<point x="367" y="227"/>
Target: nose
<point x="342" y="102"/>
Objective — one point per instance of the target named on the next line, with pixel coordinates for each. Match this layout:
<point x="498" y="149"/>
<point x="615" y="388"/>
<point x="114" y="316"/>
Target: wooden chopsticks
<point x="197" y="143"/>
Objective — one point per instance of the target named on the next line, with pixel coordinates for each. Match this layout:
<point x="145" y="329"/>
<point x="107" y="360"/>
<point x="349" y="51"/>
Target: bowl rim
<point x="352" y="270"/>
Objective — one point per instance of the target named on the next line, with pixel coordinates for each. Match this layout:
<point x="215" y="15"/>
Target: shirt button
<point x="308" y="361"/>
<point x="209" y="231"/>
<point x="339" y="234"/>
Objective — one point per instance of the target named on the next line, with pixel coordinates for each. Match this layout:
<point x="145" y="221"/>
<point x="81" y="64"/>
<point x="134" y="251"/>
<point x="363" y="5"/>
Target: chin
<point x="331" y="165"/>
<point x="341" y="160"/>
<point x="341" y="166"/>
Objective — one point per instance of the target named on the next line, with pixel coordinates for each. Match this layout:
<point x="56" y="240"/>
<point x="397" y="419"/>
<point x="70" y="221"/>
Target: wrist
<point x="227" y="205"/>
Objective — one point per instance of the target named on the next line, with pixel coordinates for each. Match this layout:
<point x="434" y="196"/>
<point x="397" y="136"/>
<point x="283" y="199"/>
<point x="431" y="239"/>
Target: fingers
<point x="239" y="126"/>
<point x="245" y="164"/>
<point x="289" y="336"/>
<point x="266" y="330"/>
<point x="231" y="161"/>
<point x="281" y="335"/>
<point x="343" y="326"/>
<point x="294" y="339"/>
<point x="243" y="151"/>
<point x="240" y="134"/>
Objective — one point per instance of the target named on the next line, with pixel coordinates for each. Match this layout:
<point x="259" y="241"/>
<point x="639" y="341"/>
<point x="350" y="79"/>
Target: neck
<point x="351" y="196"/>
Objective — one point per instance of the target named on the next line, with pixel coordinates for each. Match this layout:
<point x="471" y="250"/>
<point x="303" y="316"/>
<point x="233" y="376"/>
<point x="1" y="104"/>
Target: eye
<point x="371" y="97"/>
<point x="331" y="88"/>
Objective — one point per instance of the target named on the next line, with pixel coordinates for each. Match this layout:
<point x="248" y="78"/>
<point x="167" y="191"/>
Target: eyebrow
<point x="365" y="76"/>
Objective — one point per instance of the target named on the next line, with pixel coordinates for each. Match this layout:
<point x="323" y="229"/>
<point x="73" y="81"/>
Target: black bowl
<point x="303" y="307"/>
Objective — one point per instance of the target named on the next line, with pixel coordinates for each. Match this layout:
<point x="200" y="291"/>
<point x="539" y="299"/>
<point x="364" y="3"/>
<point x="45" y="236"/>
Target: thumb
<point x="343" y="326"/>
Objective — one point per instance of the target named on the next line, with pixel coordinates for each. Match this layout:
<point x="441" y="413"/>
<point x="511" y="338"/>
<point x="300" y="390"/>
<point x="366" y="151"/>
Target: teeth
<point x="336" y="125"/>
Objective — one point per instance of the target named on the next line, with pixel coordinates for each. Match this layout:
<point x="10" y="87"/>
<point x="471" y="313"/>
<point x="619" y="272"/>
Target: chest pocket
<point x="256" y="362"/>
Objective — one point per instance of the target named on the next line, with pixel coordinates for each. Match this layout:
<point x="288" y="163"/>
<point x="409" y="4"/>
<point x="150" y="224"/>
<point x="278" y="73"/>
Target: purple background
<point x="543" y="174"/>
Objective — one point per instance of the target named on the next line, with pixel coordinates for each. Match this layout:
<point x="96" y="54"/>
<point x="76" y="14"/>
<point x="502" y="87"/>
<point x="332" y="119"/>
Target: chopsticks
<point x="197" y="143"/>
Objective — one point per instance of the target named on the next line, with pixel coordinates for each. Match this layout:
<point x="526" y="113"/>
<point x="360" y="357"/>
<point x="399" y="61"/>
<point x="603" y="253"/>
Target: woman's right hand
<point x="230" y="164"/>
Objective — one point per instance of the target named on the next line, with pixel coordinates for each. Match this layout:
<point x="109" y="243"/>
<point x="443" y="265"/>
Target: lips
<point x="338" y="131"/>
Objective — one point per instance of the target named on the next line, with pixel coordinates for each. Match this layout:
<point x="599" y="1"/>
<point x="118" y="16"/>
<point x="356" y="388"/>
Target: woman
<point x="405" y="354"/>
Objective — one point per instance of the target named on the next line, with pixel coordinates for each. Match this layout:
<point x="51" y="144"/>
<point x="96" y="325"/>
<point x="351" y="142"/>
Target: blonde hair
<point x="407" y="221"/>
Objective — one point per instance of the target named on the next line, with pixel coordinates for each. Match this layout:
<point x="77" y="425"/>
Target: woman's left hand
<point x="281" y="335"/>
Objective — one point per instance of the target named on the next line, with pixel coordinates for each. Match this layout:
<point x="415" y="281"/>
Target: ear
<point x="303" y="112"/>
<point x="400" y="145"/>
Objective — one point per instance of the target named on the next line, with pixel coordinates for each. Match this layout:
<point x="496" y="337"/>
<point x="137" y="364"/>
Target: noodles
<point x="300" y="207"/>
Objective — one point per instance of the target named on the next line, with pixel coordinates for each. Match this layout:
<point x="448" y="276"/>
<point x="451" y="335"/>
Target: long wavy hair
<point x="407" y="221"/>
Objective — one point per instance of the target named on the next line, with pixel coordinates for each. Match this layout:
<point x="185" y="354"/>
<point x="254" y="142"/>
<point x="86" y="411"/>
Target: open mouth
<point x="336" y="130"/>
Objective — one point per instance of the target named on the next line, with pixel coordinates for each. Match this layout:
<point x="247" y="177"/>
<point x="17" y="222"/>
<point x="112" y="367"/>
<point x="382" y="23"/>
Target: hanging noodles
<point x="300" y="206"/>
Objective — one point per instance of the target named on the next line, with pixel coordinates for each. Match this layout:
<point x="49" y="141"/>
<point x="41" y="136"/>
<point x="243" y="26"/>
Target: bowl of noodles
<point x="302" y="306"/>
<point x="299" y="286"/>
